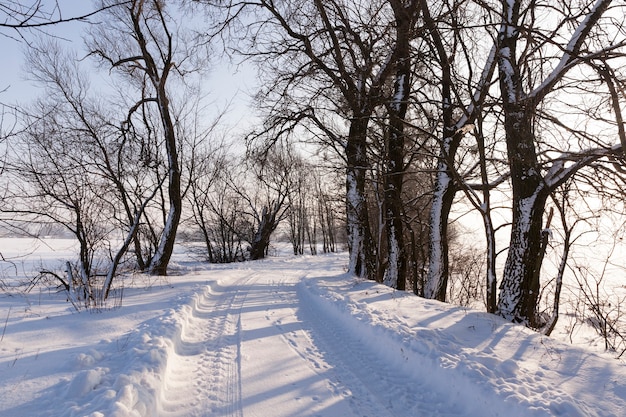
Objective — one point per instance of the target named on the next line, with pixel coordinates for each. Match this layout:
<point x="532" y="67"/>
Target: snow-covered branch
<point x="559" y="172"/>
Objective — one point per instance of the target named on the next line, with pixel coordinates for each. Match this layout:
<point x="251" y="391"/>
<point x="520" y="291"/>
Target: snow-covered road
<point x="291" y="337"/>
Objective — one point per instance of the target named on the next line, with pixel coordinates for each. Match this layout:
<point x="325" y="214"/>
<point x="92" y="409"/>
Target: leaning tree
<point x="138" y="42"/>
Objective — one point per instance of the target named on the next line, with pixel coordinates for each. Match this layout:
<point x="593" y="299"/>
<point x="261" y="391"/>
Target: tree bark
<point x="517" y="299"/>
<point x="158" y="78"/>
<point x="261" y="240"/>
<point x="436" y="283"/>
<point x="360" y="244"/>
<point x="396" y="268"/>
<point x="520" y="285"/>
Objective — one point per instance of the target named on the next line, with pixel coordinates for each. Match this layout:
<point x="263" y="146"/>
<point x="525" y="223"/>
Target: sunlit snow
<point x="288" y="336"/>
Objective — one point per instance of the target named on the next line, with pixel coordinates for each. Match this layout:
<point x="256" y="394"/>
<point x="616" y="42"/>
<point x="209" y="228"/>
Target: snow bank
<point x="488" y="366"/>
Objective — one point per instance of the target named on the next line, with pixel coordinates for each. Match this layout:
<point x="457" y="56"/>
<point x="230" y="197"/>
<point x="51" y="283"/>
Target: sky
<point x="226" y="85"/>
<point x="13" y="80"/>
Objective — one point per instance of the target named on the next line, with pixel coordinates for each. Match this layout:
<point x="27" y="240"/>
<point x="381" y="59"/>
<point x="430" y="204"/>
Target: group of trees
<point x="509" y="109"/>
<point x="477" y="97"/>
<point x="238" y="204"/>
<point x="106" y="168"/>
<point x="114" y="168"/>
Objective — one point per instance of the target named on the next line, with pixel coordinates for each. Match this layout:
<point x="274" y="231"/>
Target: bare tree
<point x="313" y="211"/>
<point x="523" y="96"/>
<point x="73" y="134"/>
<point x="461" y="93"/>
<point x="138" y="43"/>
<point x="216" y="207"/>
<point x="405" y="14"/>
<point x="302" y="222"/>
<point x="328" y="209"/>
<point x="269" y="205"/>
<point x="131" y="150"/>
<point x="54" y="185"/>
<point x="332" y="62"/>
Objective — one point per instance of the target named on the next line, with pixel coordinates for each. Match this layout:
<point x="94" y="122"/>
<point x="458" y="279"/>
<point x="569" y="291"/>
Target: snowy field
<point x="288" y="336"/>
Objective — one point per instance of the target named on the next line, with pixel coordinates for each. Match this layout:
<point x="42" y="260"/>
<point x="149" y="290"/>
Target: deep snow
<point x="288" y="336"/>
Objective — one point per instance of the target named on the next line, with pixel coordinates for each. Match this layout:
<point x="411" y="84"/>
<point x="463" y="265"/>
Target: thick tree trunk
<point x="161" y="259"/>
<point x="436" y="283"/>
<point x="360" y="245"/>
<point x="519" y="288"/>
<point x="261" y="241"/>
<point x="395" y="274"/>
<point x="396" y="267"/>
<point x="163" y="254"/>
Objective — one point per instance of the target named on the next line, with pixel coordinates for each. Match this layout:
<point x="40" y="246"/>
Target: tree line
<point x="510" y="109"/>
<point x="473" y="97"/>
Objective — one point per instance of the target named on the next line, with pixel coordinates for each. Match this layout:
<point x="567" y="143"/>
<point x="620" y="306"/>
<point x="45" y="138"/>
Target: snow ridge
<point x="474" y="380"/>
<point x="203" y="369"/>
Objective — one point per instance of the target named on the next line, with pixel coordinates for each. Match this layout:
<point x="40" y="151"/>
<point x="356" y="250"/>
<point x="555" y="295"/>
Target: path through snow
<point x="296" y="337"/>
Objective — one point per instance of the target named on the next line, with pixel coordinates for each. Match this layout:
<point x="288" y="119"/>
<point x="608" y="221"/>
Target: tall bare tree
<point x="139" y="43"/>
<point x="584" y="35"/>
<point x="405" y="14"/>
<point x="461" y="98"/>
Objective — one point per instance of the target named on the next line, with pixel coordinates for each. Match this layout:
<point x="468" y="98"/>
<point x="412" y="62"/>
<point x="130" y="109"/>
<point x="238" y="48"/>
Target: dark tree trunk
<point x="396" y="267"/>
<point x="360" y="244"/>
<point x="261" y="240"/>
<point x="164" y="251"/>
<point x="158" y="77"/>
<point x="445" y="188"/>
<point x="519" y="290"/>
<point x="519" y="287"/>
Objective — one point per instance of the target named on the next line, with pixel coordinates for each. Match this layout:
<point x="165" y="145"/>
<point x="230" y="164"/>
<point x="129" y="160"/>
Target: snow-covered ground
<point x="288" y="336"/>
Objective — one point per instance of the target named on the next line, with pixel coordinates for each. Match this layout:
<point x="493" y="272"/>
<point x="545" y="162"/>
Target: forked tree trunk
<point x="519" y="290"/>
<point x="158" y="77"/>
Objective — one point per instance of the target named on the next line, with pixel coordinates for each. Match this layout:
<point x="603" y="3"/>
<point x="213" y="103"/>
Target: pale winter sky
<point x="225" y="84"/>
<point x="13" y="82"/>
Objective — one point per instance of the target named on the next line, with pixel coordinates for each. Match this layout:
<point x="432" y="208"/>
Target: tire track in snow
<point x="331" y="345"/>
<point x="317" y="343"/>
<point x="339" y="360"/>
<point x="202" y="377"/>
